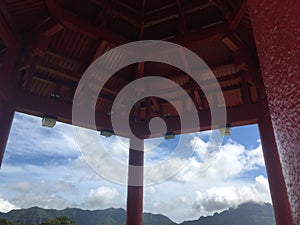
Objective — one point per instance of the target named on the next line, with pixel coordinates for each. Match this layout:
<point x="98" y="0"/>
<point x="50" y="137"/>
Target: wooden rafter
<point x="223" y="7"/>
<point x="5" y="13"/>
<point x="237" y="15"/>
<point x="182" y="24"/>
<point x="73" y="22"/>
<point x="114" y="9"/>
<point x="46" y="34"/>
<point x="6" y="34"/>
<point x="172" y="12"/>
<point x="202" y="36"/>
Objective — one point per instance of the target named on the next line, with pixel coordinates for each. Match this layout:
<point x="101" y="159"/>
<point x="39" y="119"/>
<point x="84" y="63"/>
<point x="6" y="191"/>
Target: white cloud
<point x="29" y="138"/>
<point x="231" y="160"/>
<point x="221" y="198"/>
<point x="102" y="197"/>
<point x="22" y="186"/>
<point x="5" y="205"/>
<point x="205" y="185"/>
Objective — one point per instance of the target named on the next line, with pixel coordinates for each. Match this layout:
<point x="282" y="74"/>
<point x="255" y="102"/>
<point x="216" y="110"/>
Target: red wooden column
<point x="275" y="25"/>
<point x="278" y="191"/>
<point x="134" y="214"/>
<point x="6" y="117"/>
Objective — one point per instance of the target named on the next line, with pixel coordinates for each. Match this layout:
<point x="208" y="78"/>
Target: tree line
<point x="63" y="220"/>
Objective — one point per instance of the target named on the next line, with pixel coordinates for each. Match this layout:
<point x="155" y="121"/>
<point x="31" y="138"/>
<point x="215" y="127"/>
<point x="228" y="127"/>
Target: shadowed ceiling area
<point x="57" y="41"/>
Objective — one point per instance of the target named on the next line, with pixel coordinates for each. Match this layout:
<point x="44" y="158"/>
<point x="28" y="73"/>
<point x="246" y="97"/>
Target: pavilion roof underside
<point x="59" y="40"/>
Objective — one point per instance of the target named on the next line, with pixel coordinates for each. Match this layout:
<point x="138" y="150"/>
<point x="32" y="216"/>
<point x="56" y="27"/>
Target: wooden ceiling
<point x="56" y="41"/>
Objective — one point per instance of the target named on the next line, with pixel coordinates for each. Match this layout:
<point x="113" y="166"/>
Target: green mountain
<point x="110" y="216"/>
<point x="246" y="214"/>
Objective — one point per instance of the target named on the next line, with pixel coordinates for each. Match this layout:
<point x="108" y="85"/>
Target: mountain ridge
<point x="246" y="214"/>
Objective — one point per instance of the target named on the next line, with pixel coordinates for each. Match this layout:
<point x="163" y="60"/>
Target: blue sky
<point x="44" y="167"/>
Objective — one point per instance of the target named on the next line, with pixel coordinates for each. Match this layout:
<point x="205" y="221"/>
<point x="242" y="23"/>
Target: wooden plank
<point x="63" y="57"/>
<point x="111" y="7"/>
<point x="171" y="13"/>
<point x="202" y="36"/>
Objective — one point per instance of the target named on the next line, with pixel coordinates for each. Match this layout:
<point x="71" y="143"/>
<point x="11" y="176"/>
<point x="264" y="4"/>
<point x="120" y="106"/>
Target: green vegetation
<point x="63" y="220"/>
<point x="59" y="221"/>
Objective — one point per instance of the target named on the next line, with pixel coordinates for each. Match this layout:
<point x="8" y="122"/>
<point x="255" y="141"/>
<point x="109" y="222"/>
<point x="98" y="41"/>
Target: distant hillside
<point x="245" y="214"/>
<point x="110" y="216"/>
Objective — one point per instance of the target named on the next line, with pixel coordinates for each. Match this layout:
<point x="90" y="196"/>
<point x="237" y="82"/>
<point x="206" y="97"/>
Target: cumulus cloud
<point x="231" y="159"/>
<point x="220" y="198"/>
<point x="6" y="206"/>
<point x="102" y="197"/>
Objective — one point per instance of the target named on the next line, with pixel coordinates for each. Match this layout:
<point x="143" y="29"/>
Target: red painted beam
<point x="134" y="213"/>
<point x="46" y="32"/>
<point x="73" y="22"/>
<point x="39" y="106"/>
<point x="277" y="186"/>
<point x="101" y="48"/>
<point x="6" y="117"/>
<point x="6" y="14"/>
<point x="7" y="82"/>
<point x="236" y="116"/>
<point x="238" y="14"/>
<point x="6" y="33"/>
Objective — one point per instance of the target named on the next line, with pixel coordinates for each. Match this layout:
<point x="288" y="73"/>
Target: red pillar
<point x="276" y="31"/>
<point x="6" y="118"/>
<point x="279" y="196"/>
<point x="134" y="214"/>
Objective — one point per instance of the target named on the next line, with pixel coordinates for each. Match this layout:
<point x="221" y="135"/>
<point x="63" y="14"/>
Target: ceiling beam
<point x="40" y="106"/>
<point x="72" y="76"/>
<point x="77" y="24"/>
<point x="6" y="34"/>
<point x="172" y="13"/>
<point x="202" y="36"/>
<point x="101" y="48"/>
<point x="66" y="58"/>
<point x="181" y="20"/>
<point x="236" y="116"/>
<point x="223" y="7"/>
<point x="5" y="12"/>
<point x="58" y="71"/>
<point x="7" y="84"/>
<point x="238" y="14"/>
<point x="46" y="31"/>
<point x="115" y="10"/>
